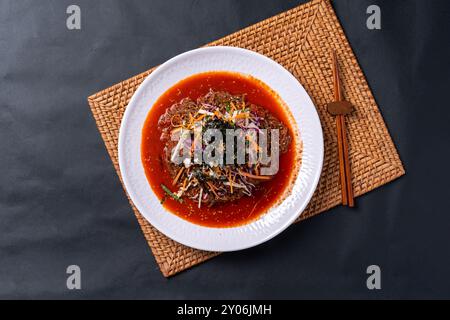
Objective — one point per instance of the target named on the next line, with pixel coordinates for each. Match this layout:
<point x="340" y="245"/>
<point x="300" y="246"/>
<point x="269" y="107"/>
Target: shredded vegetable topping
<point x="211" y="183"/>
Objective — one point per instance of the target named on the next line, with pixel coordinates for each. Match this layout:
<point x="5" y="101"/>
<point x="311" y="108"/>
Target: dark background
<point x="61" y="202"/>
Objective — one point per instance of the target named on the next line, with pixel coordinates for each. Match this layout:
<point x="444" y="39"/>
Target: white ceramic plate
<point x="243" y="61"/>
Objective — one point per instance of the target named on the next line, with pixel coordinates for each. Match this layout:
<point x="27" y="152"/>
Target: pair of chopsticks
<point x="340" y="108"/>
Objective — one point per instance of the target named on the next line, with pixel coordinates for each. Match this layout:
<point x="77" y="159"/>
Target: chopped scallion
<point x="171" y="194"/>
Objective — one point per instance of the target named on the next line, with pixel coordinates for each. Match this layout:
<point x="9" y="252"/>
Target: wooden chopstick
<point x="336" y="79"/>
<point x="344" y="159"/>
<point x="348" y="173"/>
<point x="338" y="97"/>
<point x="341" y="160"/>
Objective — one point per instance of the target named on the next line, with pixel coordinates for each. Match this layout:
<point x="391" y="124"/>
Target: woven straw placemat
<point x="301" y="40"/>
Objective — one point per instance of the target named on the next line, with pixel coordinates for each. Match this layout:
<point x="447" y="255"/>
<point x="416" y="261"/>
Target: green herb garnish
<point x="171" y="194"/>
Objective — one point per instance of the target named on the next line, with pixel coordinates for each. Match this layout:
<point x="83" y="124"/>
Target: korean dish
<point x="219" y="149"/>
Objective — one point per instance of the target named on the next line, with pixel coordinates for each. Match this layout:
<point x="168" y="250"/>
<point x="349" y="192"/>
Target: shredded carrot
<point x="256" y="146"/>
<point x="191" y="121"/>
<point x="252" y="176"/>
<point x="200" y="118"/>
<point x="218" y="171"/>
<point x="217" y="114"/>
<point x="231" y="181"/>
<point x="233" y="108"/>
<point x="253" y="142"/>
<point x="211" y="187"/>
<point x="174" y="182"/>
<point x="241" y="116"/>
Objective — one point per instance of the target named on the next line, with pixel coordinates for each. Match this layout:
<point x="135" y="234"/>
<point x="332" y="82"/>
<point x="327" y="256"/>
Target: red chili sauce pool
<point x="241" y="211"/>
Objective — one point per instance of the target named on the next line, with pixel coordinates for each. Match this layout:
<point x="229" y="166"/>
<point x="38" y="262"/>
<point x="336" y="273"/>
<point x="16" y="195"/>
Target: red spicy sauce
<point x="236" y="213"/>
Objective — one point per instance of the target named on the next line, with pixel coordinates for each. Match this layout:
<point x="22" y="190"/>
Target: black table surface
<point x="61" y="202"/>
